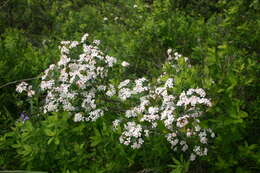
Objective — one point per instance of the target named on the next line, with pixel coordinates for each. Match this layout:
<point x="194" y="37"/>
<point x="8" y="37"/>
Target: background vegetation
<point x="221" y="38"/>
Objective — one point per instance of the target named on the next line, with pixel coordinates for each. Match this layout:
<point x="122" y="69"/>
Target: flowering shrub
<point x="222" y="42"/>
<point x="82" y="85"/>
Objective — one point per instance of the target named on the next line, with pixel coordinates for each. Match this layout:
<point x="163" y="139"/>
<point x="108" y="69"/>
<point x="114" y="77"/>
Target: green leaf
<point x="50" y="140"/>
<point x="48" y="132"/>
<point x="57" y="141"/>
<point x="27" y="149"/>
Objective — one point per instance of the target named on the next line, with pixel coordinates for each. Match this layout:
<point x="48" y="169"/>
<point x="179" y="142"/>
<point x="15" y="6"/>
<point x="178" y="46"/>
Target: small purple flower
<point x="24" y="117"/>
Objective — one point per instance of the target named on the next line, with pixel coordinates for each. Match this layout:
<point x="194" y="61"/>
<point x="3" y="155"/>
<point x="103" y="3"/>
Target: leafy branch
<point x="17" y="81"/>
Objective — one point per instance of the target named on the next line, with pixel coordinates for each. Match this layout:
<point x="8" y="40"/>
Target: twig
<point x="4" y="4"/>
<point x="22" y="80"/>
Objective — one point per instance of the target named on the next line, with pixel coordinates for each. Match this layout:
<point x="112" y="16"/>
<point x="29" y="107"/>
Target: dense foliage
<point x="220" y="38"/>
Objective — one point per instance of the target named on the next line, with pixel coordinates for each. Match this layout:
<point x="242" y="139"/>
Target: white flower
<point x="116" y="123"/>
<point x="78" y="117"/>
<point x="182" y="121"/>
<point x="47" y="84"/>
<point x="192" y="157"/>
<point x="197" y="128"/>
<point x="153" y="110"/>
<point x="50" y="107"/>
<point x="169" y="83"/>
<point x="21" y="87"/>
<point x="130" y="113"/>
<point x="101" y="88"/>
<point x="124" y="83"/>
<point x="65" y="42"/>
<point x="201" y="92"/>
<point x="190" y="91"/>
<point x="110" y="60"/>
<point x="182" y="142"/>
<point x="30" y="93"/>
<point x="64" y="60"/>
<point x="152" y="115"/>
<point x="133" y="132"/>
<point x="177" y="55"/>
<point x="171" y="138"/>
<point x="135" y="6"/>
<point x="154" y="124"/>
<point x="212" y="135"/>
<point x="84" y="37"/>
<point x="94" y="115"/>
<point x="63" y="75"/>
<point x="125" y="64"/>
<point x="189" y="133"/>
<point x="193" y="100"/>
<point x="111" y="91"/>
<point x="68" y="106"/>
<point x="64" y="50"/>
<point x="96" y="42"/>
<point x="202" y="134"/>
<point x="139" y="88"/>
<point x="74" y="44"/>
<point x="175" y="142"/>
<point x="124" y="93"/>
<point x="203" y="140"/>
<point x="169" y="51"/>
<point x="151" y="118"/>
<point x="184" y="148"/>
<point x="205" y="152"/>
<point x="105" y="18"/>
<point x="161" y="91"/>
<point x="197" y="150"/>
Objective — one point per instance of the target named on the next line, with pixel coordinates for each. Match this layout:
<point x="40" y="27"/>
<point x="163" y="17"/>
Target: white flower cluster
<point x="180" y="125"/>
<point x="132" y="135"/>
<point x="125" y="93"/>
<point x="23" y="86"/>
<point x="77" y="84"/>
<point x="159" y="104"/>
<point x="175" y="55"/>
<point x="188" y="98"/>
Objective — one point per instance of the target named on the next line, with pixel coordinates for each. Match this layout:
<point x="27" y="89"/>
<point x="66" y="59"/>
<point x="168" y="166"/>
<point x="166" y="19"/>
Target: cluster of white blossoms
<point x="179" y="114"/>
<point x="82" y="86"/>
<point x="77" y="84"/>
<point x="132" y="135"/>
<point x="23" y="86"/>
<point x="193" y="97"/>
<point x="180" y="121"/>
<point x="125" y="91"/>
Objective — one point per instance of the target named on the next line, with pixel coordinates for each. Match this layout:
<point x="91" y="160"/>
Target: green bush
<point x="220" y="37"/>
<point x="18" y="60"/>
